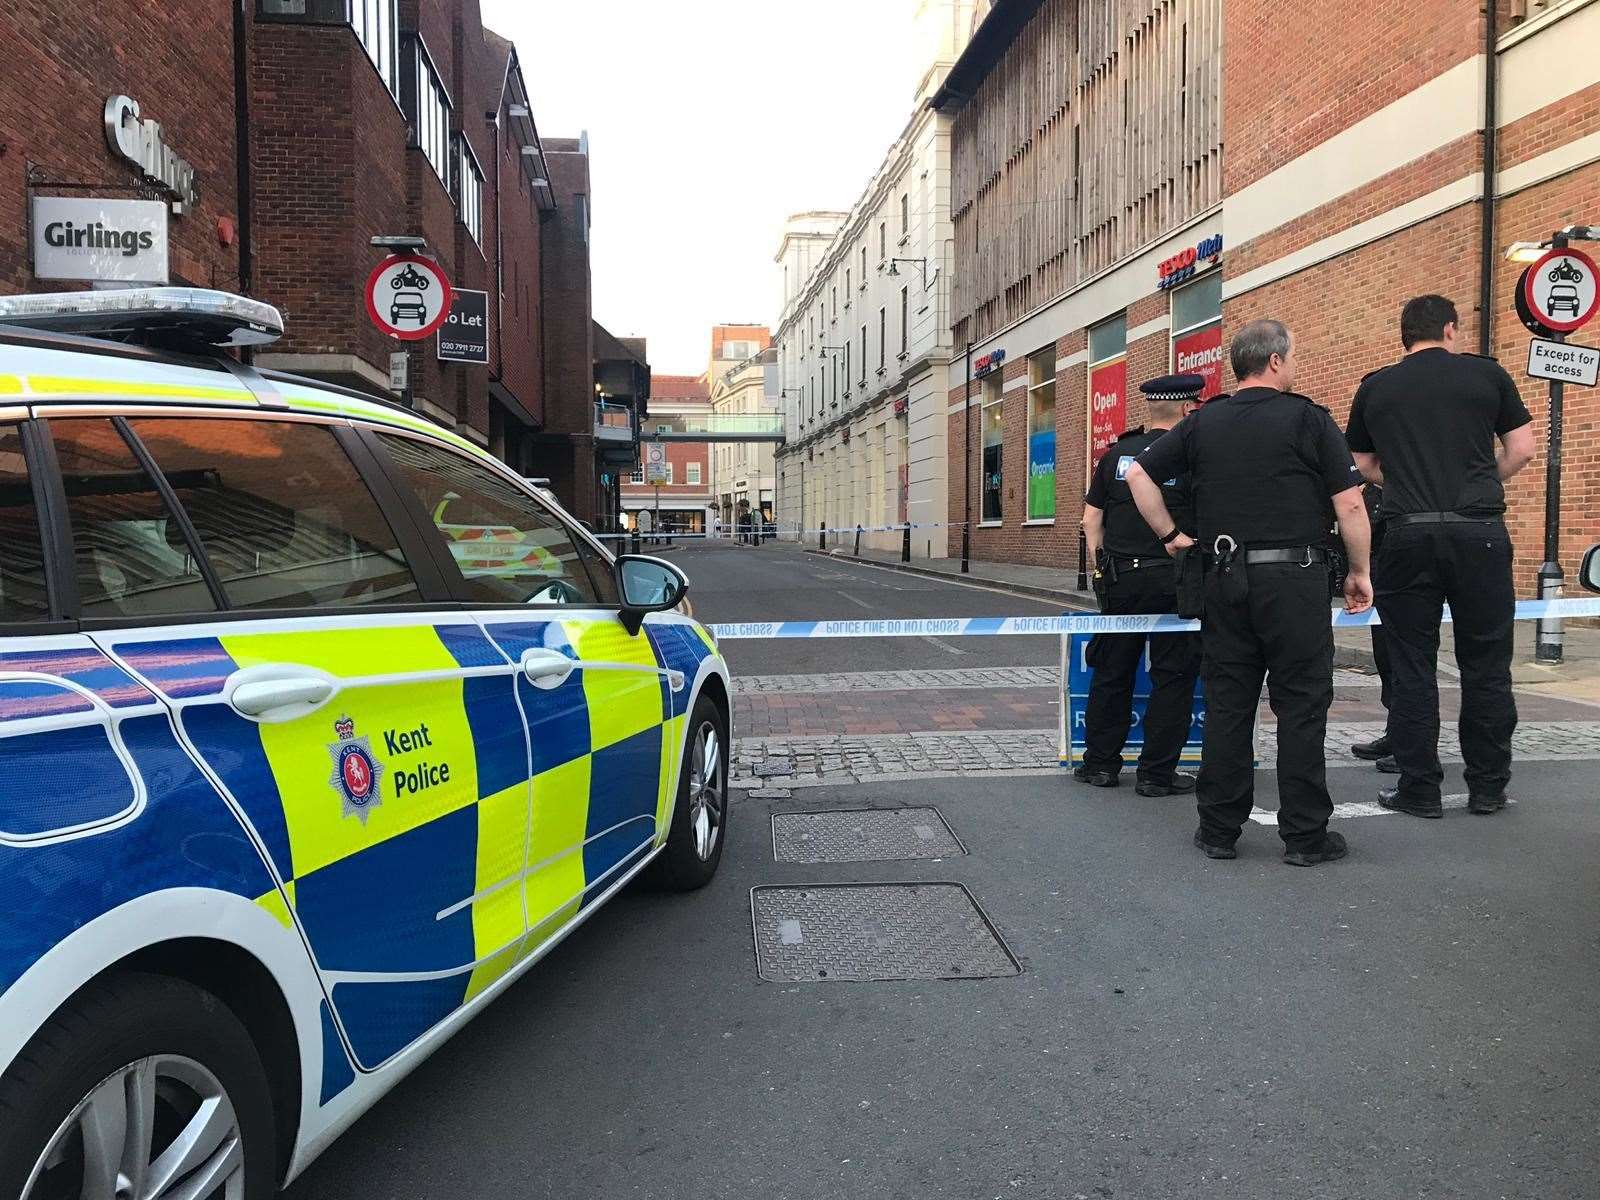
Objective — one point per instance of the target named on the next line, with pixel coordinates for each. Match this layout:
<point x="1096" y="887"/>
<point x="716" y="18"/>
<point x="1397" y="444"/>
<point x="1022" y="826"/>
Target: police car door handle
<point x="279" y="699"/>
<point x="546" y="668"/>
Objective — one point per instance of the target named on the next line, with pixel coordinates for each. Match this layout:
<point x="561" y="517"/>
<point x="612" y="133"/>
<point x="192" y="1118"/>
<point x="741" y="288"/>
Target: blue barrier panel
<point x="1077" y="674"/>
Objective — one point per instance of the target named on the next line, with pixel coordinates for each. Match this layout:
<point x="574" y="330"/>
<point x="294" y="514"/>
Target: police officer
<point x="1136" y="575"/>
<point x="1269" y="471"/>
<point x="1425" y="428"/>
<point x="1378" y="751"/>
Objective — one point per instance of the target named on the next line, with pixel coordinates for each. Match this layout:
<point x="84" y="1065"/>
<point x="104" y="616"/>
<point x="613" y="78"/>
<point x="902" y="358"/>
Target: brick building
<point x="312" y="126"/>
<point x="678" y="403"/>
<point x="1130" y="186"/>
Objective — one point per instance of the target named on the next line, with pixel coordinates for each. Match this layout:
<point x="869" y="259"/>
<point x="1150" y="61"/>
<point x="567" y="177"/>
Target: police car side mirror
<point x="1589" y="573"/>
<point x="647" y="585"/>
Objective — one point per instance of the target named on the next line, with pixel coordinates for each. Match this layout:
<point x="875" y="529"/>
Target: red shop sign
<point x="1199" y="352"/>
<point x="1108" y="405"/>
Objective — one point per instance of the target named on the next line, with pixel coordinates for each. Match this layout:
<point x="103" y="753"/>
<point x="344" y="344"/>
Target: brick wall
<point x="175" y="59"/>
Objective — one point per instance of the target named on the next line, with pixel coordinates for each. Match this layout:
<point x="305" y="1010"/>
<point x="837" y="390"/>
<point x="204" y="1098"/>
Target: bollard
<point x="905" y="544"/>
<point x="858" y="541"/>
<point x="637" y="543"/>
<point x="822" y="538"/>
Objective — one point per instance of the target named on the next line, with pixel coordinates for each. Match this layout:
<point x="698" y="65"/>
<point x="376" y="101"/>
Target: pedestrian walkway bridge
<point x="717" y="427"/>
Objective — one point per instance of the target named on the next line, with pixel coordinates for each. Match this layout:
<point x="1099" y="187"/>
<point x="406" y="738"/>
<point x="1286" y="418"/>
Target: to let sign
<point x="1563" y="362"/>
<point x="464" y="336"/>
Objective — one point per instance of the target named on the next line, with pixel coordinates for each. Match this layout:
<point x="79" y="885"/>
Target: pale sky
<point x="709" y="122"/>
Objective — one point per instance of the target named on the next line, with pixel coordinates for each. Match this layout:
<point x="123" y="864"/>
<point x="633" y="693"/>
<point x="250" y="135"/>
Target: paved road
<point x="1416" y="1021"/>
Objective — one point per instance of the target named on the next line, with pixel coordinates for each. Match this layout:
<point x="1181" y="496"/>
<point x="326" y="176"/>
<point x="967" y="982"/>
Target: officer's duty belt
<point x="1438" y="518"/>
<point x="1125" y="563"/>
<point x="1304" y="556"/>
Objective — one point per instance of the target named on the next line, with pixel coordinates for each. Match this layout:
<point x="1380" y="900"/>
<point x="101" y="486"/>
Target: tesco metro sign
<point x="1182" y="265"/>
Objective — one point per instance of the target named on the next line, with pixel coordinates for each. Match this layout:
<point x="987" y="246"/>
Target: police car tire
<point x="679" y="868"/>
<point x="118" y="1021"/>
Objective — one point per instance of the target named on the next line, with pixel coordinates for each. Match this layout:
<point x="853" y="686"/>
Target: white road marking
<point x="1363" y="808"/>
<point x="856" y="600"/>
<point x="945" y="646"/>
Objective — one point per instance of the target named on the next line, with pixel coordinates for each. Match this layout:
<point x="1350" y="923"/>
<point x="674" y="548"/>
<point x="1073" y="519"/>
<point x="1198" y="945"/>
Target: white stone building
<point x="864" y="334"/>
<point x="742" y="472"/>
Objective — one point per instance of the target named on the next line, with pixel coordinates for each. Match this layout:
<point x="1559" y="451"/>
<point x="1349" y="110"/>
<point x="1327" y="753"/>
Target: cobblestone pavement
<point x="769" y="763"/>
<point x="897" y="681"/>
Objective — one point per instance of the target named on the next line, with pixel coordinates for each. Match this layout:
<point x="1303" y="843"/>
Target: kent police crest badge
<point x="355" y="771"/>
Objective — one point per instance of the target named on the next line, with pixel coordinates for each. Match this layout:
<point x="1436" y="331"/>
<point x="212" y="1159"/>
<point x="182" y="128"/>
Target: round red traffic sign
<point x="1562" y="289"/>
<point x="408" y="296"/>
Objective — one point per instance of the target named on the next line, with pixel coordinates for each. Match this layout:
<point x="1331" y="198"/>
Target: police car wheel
<point x="141" y="1086"/>
<point x="700" y="816"/>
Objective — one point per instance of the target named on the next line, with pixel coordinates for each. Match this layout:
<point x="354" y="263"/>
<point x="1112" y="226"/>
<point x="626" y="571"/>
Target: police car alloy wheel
<point x="700" y="816"/>
<point x="142" y="1088"/>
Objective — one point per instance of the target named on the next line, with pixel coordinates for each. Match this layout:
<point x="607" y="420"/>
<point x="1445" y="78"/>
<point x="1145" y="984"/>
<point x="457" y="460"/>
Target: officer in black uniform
<point x="1425" y="428"/>
<point x="1378" y="751"/>
<point x="1269" y="472"/>
<point x="1135" y="575"/>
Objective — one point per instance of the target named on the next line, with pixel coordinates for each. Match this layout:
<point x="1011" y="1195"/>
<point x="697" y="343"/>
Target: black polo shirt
<point x="1126" y="534"/>
<point x="1432" y="419"/>
<point x="1262" y="466"/>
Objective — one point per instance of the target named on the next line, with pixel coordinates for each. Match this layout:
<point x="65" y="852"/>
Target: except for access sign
<point x="1562" y="289"/>
<point x="464" y="336"/>
<point x="408" y="296"/>
<point x="1563" y="362"/>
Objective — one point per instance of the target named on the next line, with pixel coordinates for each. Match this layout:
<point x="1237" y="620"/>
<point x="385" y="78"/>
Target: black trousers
<point x="1282" y="633"/>
<point x="1468" y="566"/>
<point x="1174" y="665"/>
<point x="1380" y="635"/>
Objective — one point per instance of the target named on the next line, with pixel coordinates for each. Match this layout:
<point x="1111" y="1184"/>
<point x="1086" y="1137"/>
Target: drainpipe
<point x="241" y="153"/>
<point x="1487" y="258"/>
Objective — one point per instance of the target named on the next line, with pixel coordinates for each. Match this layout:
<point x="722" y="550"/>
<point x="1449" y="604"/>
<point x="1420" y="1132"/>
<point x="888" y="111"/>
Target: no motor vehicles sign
<point x="1562" y="289"/>
<point x="408" y="296"/>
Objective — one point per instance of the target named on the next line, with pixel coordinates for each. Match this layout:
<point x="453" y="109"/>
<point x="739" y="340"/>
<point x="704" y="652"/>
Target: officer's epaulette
<point x="1377" y="371"/>
<point x="1307" y="399"/>
<point x="1128" y="433"/>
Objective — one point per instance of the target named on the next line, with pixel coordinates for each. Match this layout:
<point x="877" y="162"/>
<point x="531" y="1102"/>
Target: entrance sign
<point x="1563" y="362"/>
<point x="1076" y="675"/>
<point x="464" y="336"/>
<point x="408" y="296"/>
<point x="123" y="241"/>
<point x="1562" y="289"/>
<point x="1108" y="405"/>
<point x="1199" y="352"/>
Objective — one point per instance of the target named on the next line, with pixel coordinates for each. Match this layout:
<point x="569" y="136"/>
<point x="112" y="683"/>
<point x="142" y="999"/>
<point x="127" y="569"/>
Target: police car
<point x="319" y="727"/>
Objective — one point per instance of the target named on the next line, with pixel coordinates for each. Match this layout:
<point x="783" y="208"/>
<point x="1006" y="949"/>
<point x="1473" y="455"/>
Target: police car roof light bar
<point x="158" y="314"/>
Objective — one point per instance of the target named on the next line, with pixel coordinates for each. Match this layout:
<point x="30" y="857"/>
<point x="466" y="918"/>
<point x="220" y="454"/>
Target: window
<point x="429" y="112"/>
<point x="509" y="549"/>
<point x="374" y="23"/>
<point x="281" y="514"/>
<point x="663" y="428"/>
<point x="637" y="476"/>
<point x="469" y="190"/>
<point x="1042" y="435"/>
<point x="883" y="337"/>
<point x="835" y="292"/>
<point x="905" y="320"/>
<point x="993" y="428"/>
<point x="905" y="215"/>
<point x="883" y="240"/>
<point x="863" y="354"/>
<point x="129" y="555"/>
<point x="847" y="287"/>
<point x="22" y="588"/>
<point x="863" y="272"/>
<point x="847" y="368"/>
<point x="1197" y="331"/>
<point x="692" y="473"/>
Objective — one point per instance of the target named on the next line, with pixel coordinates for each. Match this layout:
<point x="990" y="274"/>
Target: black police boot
<point x="1373" y="750"/>
<point x="1214" y="849"/>
<point x="1485" y="805"/>
<point x="1331" y="848"/>
<point x="1388" y="765"/>
<point x="1176" y="784"/>
<point x="1391" y="799"/>
<point x="1095" y="777"/>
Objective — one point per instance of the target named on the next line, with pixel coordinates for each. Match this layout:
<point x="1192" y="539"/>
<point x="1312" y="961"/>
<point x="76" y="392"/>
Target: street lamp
<point x="1548" y="640"/>
<point x="921" y="264"/>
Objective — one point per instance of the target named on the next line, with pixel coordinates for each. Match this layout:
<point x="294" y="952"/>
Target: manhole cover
<point x="862" y="835"/>
<point x="868" y="931"/>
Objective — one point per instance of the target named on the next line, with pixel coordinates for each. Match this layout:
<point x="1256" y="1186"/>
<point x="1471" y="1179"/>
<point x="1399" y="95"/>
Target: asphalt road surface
<point x="1415" y="1021"/>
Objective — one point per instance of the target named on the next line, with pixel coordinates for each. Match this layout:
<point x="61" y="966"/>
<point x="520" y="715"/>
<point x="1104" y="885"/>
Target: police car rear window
<point x="281" y="512"/>
<point x="22" y="586"/>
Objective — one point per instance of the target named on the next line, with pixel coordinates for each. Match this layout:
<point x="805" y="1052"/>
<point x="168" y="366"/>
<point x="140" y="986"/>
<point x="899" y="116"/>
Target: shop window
<point x="1197" y="331"/>
<point x="993" y="431"/>
<point x="1042" y="435"/>
<point x="374" y="22"/>
<point x="1108" y="384"/>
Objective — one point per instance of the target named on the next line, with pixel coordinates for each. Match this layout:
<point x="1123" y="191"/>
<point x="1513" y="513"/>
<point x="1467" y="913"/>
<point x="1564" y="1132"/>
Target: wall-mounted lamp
<point x="920" y="264"/>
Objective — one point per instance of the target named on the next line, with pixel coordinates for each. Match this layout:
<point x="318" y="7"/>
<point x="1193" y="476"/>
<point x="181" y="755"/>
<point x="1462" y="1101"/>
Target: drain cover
<point x="868" y="931"/>
<point x="862" y="835"/>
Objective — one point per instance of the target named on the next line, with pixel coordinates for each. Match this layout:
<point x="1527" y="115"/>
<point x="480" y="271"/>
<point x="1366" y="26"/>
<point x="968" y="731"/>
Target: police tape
<point x="730" y="533"/>
<point x="1527" y="610"/>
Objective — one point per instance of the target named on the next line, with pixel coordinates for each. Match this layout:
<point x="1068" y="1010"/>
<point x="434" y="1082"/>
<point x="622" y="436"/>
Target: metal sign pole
<point x="1548" y="647"/>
